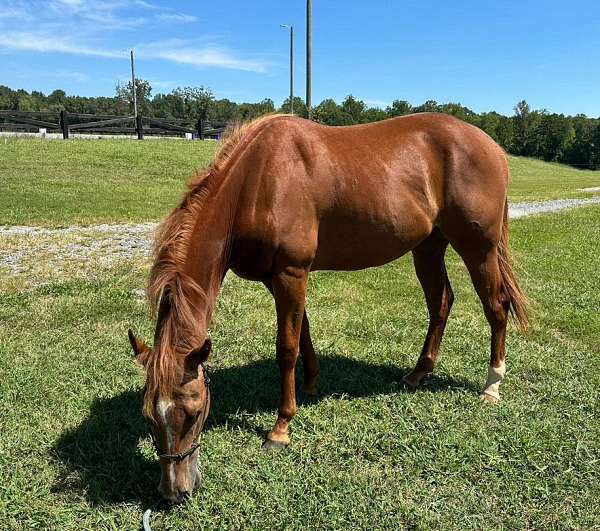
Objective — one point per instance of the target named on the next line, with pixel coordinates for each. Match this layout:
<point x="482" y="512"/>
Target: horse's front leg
<point x="310" y="362"/>
<point x="289" y="290"/>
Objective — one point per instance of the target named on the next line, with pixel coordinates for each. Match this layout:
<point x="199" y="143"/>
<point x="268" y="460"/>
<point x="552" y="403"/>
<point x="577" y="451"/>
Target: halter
<point x="182" y="455"/>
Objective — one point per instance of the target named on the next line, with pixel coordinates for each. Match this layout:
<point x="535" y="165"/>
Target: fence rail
<point x="66" y="122"/>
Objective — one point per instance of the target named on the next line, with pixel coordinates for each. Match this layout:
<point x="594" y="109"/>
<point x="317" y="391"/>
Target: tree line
<point x="573" y="140"/>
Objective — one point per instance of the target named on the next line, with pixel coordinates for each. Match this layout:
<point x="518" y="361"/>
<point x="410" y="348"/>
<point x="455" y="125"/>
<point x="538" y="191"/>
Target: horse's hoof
<point x="270" y="445"/>
<point x="413" y="381"/>
<point x="489" y="399"/>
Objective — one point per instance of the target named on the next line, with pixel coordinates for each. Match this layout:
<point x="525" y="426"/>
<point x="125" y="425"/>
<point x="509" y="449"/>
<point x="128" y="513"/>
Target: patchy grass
<point x="75" y="453"/>
<point x="58" y="183"/>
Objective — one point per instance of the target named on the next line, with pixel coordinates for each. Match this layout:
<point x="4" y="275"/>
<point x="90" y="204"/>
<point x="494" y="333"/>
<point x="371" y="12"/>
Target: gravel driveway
<point x="45" y="253"/>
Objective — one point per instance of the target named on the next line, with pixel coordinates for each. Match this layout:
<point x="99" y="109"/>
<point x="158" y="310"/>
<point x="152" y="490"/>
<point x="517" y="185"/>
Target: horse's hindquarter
<point x="354" y="197"/>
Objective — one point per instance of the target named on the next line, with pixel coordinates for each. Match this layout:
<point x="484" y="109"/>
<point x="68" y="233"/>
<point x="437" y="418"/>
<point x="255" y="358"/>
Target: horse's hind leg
<point x="310" y="362"/>
<point x="487" y="279"/>
<point x="429" y="263"/>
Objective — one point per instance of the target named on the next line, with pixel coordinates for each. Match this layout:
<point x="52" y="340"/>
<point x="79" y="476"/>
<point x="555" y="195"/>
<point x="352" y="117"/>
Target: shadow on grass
<point x="102" y="458"/>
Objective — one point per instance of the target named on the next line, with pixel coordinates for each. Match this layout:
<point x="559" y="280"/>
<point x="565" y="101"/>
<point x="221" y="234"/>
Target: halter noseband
<point x="182" y="455"/>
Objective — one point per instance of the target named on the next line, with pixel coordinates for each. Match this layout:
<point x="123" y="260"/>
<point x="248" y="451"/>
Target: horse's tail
<point x="518" y="301"/>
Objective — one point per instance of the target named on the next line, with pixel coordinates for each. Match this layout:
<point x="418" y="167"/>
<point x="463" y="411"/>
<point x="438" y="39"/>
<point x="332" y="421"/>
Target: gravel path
<point x="520" y="210"/>
<point x="43" y="252"/>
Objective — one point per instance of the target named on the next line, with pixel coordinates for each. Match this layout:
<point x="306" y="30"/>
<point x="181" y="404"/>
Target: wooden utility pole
<point x="133" y="88"/>
<point x="136" y="118"/>
<point x="309" y="58"/>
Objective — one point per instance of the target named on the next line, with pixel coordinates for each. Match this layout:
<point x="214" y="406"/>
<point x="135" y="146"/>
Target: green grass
<point x="535" y="180"/>
<point x="85" y="182"/>
<point x="76" y="454"/>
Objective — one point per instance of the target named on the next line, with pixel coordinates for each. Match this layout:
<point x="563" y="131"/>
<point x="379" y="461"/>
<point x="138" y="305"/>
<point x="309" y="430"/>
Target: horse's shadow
<point x="102" y="456"/>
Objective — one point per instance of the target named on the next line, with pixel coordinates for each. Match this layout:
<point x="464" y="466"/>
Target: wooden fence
<point x="67" y="123"/>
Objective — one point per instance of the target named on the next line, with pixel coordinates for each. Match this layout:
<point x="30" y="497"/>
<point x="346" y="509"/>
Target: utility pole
<point x="137" y="120"/>
<point x="135" y="113"/>
<point x="291" y="66"/>
<point x="309" y="58"/>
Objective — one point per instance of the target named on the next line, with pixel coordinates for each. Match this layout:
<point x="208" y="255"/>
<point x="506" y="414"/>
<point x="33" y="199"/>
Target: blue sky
<point x="486" y="54"/>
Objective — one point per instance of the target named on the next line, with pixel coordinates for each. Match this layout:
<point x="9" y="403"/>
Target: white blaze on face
<point x="162" y="409"/>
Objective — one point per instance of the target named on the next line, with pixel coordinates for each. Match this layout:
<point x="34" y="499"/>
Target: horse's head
<point x="176" y="415"/>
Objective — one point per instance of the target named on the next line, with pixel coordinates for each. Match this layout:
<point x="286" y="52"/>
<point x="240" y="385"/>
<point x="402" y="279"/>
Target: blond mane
<point x="170" y="290"/>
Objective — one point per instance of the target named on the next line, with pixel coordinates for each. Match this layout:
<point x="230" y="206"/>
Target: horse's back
<point x="359" y="196"/>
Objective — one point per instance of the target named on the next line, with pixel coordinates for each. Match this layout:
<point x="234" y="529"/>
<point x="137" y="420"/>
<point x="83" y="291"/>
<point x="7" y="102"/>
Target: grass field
<point x="53" y="183"/>
<point x="76" y="454"/>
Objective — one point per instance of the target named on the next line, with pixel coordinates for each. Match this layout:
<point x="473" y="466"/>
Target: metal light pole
<point x="291" y="66"/>
<point x="309" y="58"/>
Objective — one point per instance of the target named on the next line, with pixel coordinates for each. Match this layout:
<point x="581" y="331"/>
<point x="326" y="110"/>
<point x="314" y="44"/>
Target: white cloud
<point x="37" y="42"/>
<point x="147" y="5"/>
<point x="112" y="14"/>
<point x="13" y="13"/>
<point x="180" y="18"/>
<point x="174" y="50"/>
<point x="183" y="52"/>
<point x="71" y="3"/>
<point x="87" y="28"/>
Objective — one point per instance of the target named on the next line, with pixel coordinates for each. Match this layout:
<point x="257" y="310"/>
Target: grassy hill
<point x="96" y="181"/>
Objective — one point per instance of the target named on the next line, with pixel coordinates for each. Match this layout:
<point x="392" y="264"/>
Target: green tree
<point x="459" y="111"/>
<point x="428" y="106"/>
<point x="57" y="100"/>
<point x="399" y="108"/>
<point x="330" y="113"/>
<point x="374" y="114"/>
<point x="354" y="108"/>
<point x="124" y="96"/>
<point x="594" y="159"/>
<point x="195" y="101"/>
<point x="249" y="111"/>
<point x="222" y="111"/>
<point x="300" y="108"/>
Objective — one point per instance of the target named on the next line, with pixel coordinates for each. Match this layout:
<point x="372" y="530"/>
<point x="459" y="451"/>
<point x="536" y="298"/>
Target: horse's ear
<point x="138" y="346"/>
<point x="197" y="356"/>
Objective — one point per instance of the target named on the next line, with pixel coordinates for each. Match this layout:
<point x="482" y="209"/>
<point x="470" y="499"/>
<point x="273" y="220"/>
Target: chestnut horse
<point x="286" y="196"/>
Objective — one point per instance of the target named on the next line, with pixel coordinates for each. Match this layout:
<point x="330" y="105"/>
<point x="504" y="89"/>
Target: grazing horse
<point x="285" y="196"/>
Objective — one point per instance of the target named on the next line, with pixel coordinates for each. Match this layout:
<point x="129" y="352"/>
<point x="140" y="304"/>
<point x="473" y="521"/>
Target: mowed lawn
<point x="76" y="454"/>
<point x="56" y="183"/>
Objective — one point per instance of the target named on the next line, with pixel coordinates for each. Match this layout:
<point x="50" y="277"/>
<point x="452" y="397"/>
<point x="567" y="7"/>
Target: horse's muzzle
<point x="178" y="496"/>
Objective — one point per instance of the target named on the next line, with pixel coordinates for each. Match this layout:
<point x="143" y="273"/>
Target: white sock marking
<point x="495" y="377"/>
